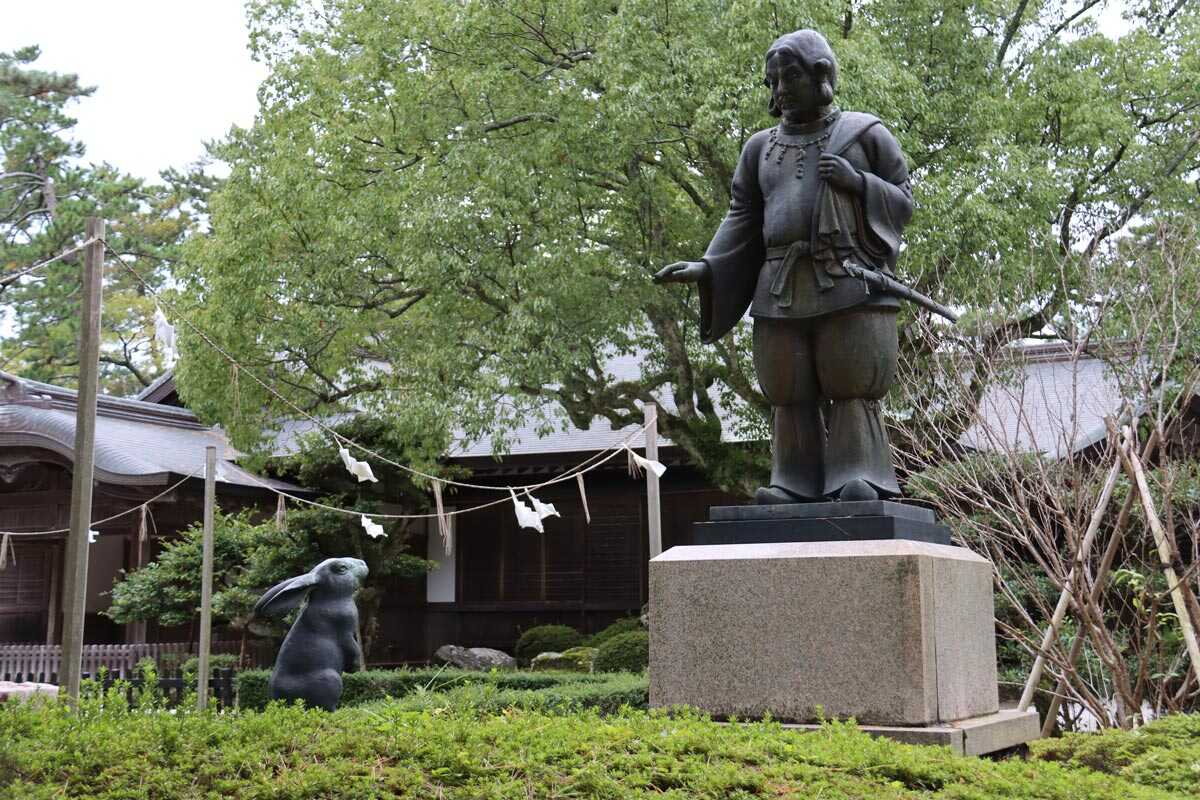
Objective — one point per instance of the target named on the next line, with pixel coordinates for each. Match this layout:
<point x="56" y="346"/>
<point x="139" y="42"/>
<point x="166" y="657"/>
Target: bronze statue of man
<point x="820" y="196"/>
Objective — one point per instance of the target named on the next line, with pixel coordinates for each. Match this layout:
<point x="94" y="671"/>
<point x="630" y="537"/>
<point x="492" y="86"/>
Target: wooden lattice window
<point x="25" y="585"/>
<point x="573" y="562"/>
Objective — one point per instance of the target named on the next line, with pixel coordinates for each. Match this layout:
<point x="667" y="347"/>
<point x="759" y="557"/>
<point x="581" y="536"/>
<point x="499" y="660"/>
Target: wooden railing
<point x="37" y="661"/>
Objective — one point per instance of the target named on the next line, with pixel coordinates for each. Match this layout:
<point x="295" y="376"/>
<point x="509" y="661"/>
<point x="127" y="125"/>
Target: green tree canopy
<point x="46" y="194"/>
<point x="445" y="204"/>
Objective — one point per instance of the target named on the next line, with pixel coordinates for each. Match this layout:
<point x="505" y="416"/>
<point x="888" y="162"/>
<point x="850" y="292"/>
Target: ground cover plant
<point x="388" y="750"/>
<point x="1164" y="753"/>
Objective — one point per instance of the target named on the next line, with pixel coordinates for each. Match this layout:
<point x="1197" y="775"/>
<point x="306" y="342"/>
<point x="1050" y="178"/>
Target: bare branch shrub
<point x="1009" y="446"/>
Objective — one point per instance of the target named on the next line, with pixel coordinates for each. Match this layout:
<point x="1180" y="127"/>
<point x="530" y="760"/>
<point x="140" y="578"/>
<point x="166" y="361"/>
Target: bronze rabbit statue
<point x="323" y="641"/>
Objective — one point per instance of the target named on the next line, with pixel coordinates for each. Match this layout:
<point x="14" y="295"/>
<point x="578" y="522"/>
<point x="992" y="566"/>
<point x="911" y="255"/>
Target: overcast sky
<point x="169" y="74"/>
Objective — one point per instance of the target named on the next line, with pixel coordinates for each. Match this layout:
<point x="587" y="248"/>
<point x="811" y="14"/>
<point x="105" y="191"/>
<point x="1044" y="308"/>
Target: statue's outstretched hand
<point x="682" y="272"/>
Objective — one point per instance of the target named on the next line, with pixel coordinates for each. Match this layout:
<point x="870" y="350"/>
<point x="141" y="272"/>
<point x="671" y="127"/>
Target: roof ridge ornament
<point x="14" y="390"/>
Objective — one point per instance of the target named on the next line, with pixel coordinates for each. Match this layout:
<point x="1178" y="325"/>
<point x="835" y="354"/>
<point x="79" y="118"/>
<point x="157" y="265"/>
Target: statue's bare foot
<point x="858" y="489"/>
<point x="773" y="495"/>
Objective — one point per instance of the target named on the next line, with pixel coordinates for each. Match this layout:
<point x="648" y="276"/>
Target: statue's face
<point x="795" y="91"/>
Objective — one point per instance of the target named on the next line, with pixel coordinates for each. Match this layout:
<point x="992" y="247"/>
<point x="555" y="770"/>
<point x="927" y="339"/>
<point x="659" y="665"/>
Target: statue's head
<point x="801" y="73"/>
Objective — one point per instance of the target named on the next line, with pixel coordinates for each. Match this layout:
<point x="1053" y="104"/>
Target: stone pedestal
<point x="891" y="632"/>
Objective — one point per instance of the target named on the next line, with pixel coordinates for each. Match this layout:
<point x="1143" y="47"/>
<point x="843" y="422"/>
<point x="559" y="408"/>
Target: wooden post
<point x="206" y="576"/>
<point x="52" y="610"/>
<point x="1064" y="599"/>
<point x="653" y="506"/>
<point x="76" y="555"/>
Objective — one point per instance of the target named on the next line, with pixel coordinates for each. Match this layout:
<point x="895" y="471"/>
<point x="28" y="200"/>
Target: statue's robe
<point x="835" y="226"/>
<point x="781" y="252"/>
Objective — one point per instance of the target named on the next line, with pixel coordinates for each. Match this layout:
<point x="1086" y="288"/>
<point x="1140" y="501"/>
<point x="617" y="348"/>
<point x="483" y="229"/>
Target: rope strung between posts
<point x="345" y="442"/>
<point x="8" y="280"/>
<point x="118" y="515"/>
<point x="576" y="475"/>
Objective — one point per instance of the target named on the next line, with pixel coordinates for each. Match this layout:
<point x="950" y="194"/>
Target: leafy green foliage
<point x="461" y="752"/>
<point x="168" y="588"/>
<point x="445" y="203"/>
<point x="46" y="194"/>
<point x="215" y="661"/>
<point x="607" y="696"/>
<point x="625" y="652"/>
<point x="545" y="639"/>
<point x="251" y="556"/>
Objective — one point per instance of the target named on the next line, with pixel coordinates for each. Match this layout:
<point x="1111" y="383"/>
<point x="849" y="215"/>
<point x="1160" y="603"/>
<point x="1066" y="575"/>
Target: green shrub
<point x="252" y="688"/>
<point x="364" y="687"/>
<point x="545" y="639"/>
<point x="106" y="751"/>
<point x="625" y="652"/>
<point x="624" y="625"/>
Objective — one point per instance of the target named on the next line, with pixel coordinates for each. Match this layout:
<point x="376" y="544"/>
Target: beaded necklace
<point x="779" y="147"/>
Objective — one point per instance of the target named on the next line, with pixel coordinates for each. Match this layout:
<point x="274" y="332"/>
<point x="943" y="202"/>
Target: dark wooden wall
<point x="35" y="495"/>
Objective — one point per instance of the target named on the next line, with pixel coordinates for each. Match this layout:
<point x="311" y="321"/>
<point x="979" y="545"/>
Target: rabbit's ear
<point x="285" y="595"/>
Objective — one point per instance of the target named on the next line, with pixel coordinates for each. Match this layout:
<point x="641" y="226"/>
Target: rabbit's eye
<point x="339" y="568"/>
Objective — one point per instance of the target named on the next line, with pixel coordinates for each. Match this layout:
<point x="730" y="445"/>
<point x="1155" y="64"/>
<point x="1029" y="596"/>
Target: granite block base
<point x="891" y="632"/>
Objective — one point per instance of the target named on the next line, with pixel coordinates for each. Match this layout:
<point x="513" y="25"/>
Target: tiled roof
<point x="137" y="443"/>
<point x="1056" y="404"/>
<point x="1053" y="404"/>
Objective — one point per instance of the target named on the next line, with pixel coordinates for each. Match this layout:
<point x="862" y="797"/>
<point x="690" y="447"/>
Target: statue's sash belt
<point x="783" y="283"/>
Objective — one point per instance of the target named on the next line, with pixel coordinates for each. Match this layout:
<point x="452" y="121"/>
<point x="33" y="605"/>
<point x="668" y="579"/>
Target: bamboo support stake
<point x="1133" y="466"/>
<point x="206" y="577"/>
<point x="75" y="556"/>
<point x="653" y="504"/>
<point x="1106" y="562"/>
<point x="1064" y="599"/>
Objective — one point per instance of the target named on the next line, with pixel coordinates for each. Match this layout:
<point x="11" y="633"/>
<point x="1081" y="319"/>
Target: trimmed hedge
<point x="364" y="687"/>
<point x="546" y="639"/>
<point x="386" y="750"/>
<point x="625" y="652"/>
<point x="608" y="696"/>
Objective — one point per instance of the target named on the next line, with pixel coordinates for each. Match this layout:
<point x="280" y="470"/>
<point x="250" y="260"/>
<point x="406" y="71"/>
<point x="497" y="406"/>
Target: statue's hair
<point x="815" y="56"/>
